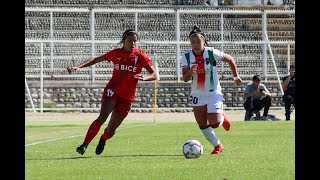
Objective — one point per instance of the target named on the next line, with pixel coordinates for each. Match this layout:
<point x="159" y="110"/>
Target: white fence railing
<point x="58" y="37"/>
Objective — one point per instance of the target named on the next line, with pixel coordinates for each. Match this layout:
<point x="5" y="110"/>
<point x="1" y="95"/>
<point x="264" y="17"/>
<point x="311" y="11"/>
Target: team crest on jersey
<point x="135" y="60"/>
<point x="207" y="61"/>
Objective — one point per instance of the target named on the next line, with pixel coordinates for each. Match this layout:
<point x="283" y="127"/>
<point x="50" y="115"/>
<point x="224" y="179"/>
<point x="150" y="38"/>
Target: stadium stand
<point x="70" y="26"/>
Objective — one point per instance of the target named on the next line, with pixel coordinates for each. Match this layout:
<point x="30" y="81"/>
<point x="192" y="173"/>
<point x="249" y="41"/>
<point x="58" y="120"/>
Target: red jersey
<point x="125" y="66"/>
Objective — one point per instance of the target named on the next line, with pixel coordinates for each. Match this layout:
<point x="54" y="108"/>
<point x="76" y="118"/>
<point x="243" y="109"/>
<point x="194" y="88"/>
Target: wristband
<point x="236" y="78"/>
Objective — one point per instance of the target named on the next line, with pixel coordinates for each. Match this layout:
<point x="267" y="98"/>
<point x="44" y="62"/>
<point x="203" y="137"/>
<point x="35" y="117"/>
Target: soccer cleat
<point x="226" y="123"/>
<point x="218" y="149"/>
<point x="100" y="147"/>
<point x="82" y="148"/>
<point x="265" y="118"/>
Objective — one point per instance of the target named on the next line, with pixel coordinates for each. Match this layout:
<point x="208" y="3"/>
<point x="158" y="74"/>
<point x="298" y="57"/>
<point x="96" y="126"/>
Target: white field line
<point x="68" y="137"/>
<point x="46" y="134"/>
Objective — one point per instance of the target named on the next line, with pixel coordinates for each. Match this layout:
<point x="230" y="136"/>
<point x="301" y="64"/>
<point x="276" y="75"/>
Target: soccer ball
<point x="192" y="149"/>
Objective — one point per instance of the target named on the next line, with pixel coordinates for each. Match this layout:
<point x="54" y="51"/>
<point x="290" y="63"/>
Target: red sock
<point x="92" y="131"/>
<point x="106" y="135"/>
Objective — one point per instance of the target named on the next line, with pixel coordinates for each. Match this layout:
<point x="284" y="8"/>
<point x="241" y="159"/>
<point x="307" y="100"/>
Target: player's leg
<point x="200" y="114"/>
<point x="214" y="120"/>
<point x="107" y="106"/>
<point x="217" y="118"/>
<point x="216" y="115"/>
<point x="287" y="99"/>
<point x="119" y="113"/>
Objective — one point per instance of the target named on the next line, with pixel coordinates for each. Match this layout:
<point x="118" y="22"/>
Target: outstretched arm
<point x="230" y="60"/>
<point x="87" y="63"/>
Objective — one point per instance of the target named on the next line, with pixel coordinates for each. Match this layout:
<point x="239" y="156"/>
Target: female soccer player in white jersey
<point x="199" y="65"/>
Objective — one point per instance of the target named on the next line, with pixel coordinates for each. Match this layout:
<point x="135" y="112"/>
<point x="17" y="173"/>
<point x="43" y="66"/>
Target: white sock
<point x="211" y="136"/>
<point x="221" y="119"/>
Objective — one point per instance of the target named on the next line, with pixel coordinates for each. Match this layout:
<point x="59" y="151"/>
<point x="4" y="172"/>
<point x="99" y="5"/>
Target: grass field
<point x="144" y="150"/>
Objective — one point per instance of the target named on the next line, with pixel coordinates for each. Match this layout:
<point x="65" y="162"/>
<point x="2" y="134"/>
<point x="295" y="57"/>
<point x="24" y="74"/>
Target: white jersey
<point x="206" y="80"/>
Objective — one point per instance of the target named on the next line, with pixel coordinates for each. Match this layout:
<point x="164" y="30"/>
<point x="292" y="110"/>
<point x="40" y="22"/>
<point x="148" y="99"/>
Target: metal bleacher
<point x="75" y="26"/>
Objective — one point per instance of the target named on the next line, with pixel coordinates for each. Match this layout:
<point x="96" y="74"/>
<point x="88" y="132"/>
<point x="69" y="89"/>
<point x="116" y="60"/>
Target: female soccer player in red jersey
<point x="199" y="65"/>
<point x="119" y="93"/>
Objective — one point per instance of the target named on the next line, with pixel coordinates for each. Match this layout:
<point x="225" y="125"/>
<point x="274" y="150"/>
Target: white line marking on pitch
<point x="40" y="142"/>
<point x="47" y="134"/>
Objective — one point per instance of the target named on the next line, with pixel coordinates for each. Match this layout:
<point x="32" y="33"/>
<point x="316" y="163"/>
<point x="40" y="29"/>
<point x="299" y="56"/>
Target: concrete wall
<point x="171" y="96"/>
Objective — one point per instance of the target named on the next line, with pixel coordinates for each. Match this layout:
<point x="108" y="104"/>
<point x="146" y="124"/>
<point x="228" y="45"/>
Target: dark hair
<point x="127" y="33"/>
<point x="256" y="78"/>
<point x="292" y="66"/>
<point x="197" y="30"/>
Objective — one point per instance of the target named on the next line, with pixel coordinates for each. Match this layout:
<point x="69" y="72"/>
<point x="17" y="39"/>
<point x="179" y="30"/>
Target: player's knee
<point x="102" y="117"/>
<point x="109" y="132"/>
<point x="215" y="125"/>
<point x="204" y="127"/>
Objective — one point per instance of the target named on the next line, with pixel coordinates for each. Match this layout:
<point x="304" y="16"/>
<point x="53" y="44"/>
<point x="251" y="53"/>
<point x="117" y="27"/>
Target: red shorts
<point x="123" y="106"/>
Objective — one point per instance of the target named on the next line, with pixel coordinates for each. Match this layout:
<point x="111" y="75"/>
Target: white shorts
<point x="214" y="102"/>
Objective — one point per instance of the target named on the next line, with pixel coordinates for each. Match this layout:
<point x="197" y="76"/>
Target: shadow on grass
<point x="108" y="156"/>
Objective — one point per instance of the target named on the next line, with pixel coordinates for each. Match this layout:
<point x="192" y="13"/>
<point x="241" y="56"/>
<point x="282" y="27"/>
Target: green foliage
<point x="253" y="150"/>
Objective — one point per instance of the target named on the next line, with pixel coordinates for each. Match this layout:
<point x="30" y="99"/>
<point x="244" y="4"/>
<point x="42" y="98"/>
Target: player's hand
<point x="72" y="69"/>
<point x="194" y="69"/>
<point x="138" y="76"/>
<point x="238" y="81"/>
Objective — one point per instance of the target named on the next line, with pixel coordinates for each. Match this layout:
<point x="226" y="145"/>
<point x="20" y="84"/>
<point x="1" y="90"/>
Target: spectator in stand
<point x="257" y="97"/>
<point x="288" y="86"/>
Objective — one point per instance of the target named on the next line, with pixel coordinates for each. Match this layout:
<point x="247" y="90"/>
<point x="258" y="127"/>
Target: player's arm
<point x="230" y="60"/>
<point x="86" y="63"/>
<point x="152" y="74"/>
<point x="187" y="72"/>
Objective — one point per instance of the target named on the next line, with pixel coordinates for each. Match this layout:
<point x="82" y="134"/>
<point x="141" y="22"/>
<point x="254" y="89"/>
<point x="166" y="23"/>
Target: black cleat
<point x="100" y="147"/>
<point x="82" y="148"/>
